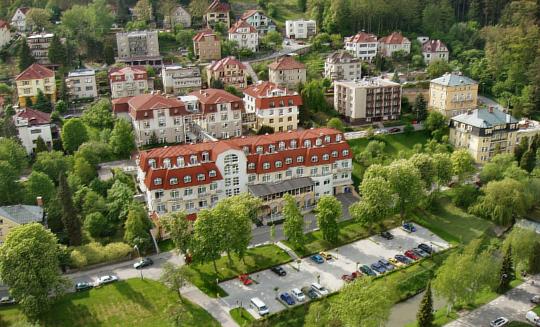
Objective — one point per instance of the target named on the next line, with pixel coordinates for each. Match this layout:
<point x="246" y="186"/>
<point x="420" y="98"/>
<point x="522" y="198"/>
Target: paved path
<point x="512" y="305"/>
<point x="360" y="134"/>
<point x="289" y="251"/>
<point x="215" y="307"/>
<point x="251" y="72"/>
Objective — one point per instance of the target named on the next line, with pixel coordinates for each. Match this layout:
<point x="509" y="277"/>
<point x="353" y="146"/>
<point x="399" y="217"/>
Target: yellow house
<point x="16" y="215"/>
<point x="453" y="94"/>
<point x="34" y="78"/>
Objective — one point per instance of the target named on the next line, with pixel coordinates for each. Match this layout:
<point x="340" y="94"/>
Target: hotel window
<point x="266" y="165"/>
<point x="334" y="154"/>
<point x="152" y="163"/>
<point x="236" y="181"/>
<point x="278" y="164"/>
<point x="345" y="164"/>
<point x="314" y="159"/>
<point x="175" y="207"/>
<point x="205" y="156"/>
<point x="338" y="137"/>
<point x="307" y="143"/>
<point x="278" y="176"/>
<point x="299" y="171"/>
<point x="228" y="192"/>
<point x="189" y="205"/>
<point x="325" y="156"/>
<point x="188" y="191"/>
<point x="293" y="144"/>
<point x="325" y="170"/>
<point x="187" y="179"/>
<point x="345" y="152"/>
<point x="327" y="139"/>
<point x="252" y="178"/>
<point x="175" y="194"/>
<point x="314" y="171"/>
<point x="213" y="186"/>
<point x="271" y="148"/>
<point x="300" y="159"/>
<point x="288" y="160"/>
<point x="259" y="149"/>
<point x="173" y="181"/>
<point x="236" y="191"/>
<point x="251" y="165"/>
<point x="288" y="173"/>
<point x="318" y="142"/>
<point x="201" y="190"/>
<point x="201" y="177"/>
<point x="193" y="159"/>
<point x="167" y="163"/>
<point x="157" y="181"/>
<point x="281" y="146"/>
<point x="266" y="178"/>
<point x="212" y="173"/>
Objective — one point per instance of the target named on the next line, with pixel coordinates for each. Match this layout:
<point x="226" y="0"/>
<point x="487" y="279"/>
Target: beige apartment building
<point x="287" y="72"/>
<point x="228" y="70"/>
<point x="368" y="100"/>
<point x="32" y="80"/>
<point x="82" y="84"/>
<point x="341" y="65"/>
<point x="484" y="132"/>
<point x="453" y="94"/>
<point x="128" y="81"/>
<point x="206" y="45"/>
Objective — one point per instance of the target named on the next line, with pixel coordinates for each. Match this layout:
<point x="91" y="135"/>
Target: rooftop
<point x="453" y="79"/>
<point x="22" y="214"/>
<point x="286" y="62"/>
<point x="35" y="71"/>
<point x="218" y="6"/>
<point x="368" y="82"/>
<point x="485" y="118"/>
<point x="261" y="190"/>
<point x="433" y="46"/>
<point x="34" y="117"/>
<point x="213" y="96"/>
<point x="81" y="72"/>
<point x="37" y="36"/>
<point x="202" y="34"/>
<point x="227" y="61"/>
<point x="242" y="24"/>
<point x="265" y="88"/>
<point x="394" y="38"/>
<point x="154" y="101"/>
<point x="340" y="56"/>
<point x="362" y="37"/>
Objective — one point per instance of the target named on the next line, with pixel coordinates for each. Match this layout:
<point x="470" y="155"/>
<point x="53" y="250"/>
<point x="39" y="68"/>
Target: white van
<point x="533" y="318"/>
<point x="259" y="306"/>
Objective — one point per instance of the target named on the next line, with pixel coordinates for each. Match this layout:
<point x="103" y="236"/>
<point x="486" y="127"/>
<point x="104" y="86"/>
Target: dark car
<point x="366" y="270"/>
<point x="402" y="259"/>
<point x="83" y="286"/>
<point x="535" y="299"/>
<point x="279" y="271"/>
<point x="408" y="227"/>
<point x="317" y="258"/>
<point x="287" y="298"/>
<point x="145" y="262"/>
<point x="411" y="255"/>
<point x="395" y="130"/>
<point x="378" y="267"/>
<point x="310" y="292"/>
<point x="387" y="235"/>
<point x="387" y="265"/>
<point x="426" y="248"/>
<point x="419" y="252"/>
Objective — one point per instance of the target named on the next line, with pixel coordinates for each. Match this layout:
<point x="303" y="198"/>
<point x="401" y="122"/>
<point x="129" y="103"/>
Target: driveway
<point x="512" y="305"/>
<point x="385" y="130"/>
<point x="347" y="257"/>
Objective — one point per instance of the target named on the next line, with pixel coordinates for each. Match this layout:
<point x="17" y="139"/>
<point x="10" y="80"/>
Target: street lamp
<point x="357" y="265"/>
<point x="318" y="278"/>
<point x="298" y="262"/>
<point x="139" y="253"/>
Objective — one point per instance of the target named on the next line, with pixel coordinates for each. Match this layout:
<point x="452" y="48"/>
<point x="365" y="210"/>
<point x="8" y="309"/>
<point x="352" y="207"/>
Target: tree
<point x="197" y="8"/>
<point x="41" y="146"/>
<point x="9" y="184"/>
<point x="42" y="102"/>
<point x="302" y="5"/>
<point x="122" y="141"/>
<point x="143" y="11"/>
<point x="70" y="217"/>
<point x="96" y="224"/>
<point x="377" y="201"/>
<point x="137" y="227"/>
<point x="438" y="68"/>
<point x="406" y="184"/>
<point x="506" y="274"/>
<point x="39" y="185"/>
<point x="328" y="212"/>
<point x="436" y="124"/>
<point x="57" y="51"/>
<point x="29" y="265"/>
<point x="336" y="123"/>
<point x="425" y="316"/>
<point x="13" y="153"/>
<point x="174" y="277"/>
<point x="293" y="227"/>
<point x="420" y="107"/>
<point x="207" y="244"/>
<point x="273" y="40"/>
<point x="464" y="195"/>
<point x="99" y="115"/>
<point x="39" y="19"/>
<point x="313" y="96"/>
<point x="73" y="134"/>
<point x="462" y="164"/>
<point x="119" y="198"/>
<point x="52" y="163"/>
<point x="528" y="161"/>
<point x="521" y="148"/>
<point x="94" y="152"/>
<point x="166" y="9"/>
<point x="84" y="170"/>
<point x="522" y="241"/>
<point x="25" y="56"/>
<point x="426" y="167"/>
<point x="265" y="129"/>
<point x="437" y="18"/>
<point x="534" y="258"/>
<point x="180" y="230"/>
<point x="495" y="168"/>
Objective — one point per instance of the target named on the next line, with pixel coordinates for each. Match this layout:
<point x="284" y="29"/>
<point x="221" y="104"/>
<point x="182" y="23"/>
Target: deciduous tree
<point x="38" y="184"/>
<point x="462" y="164"/>
<point x="14" y="153"/>
<point x="73" y="134"/>
<point x="207" y="238"/>
<point x="70" y="216"/>
<point x="122" y="141"/>
<point x="174" y="277"/>
<point x="53" y="163"/>
<point x="293" y="227"/>
<point x="406" y="184"/>
<point x="9" y="184"/>
<point x="119" y="198"/>
<point x="99" y="115"/>
<point x="137" y="227"/>
<point x="96" y="224"/>
<point x="328" y="213"/>
<point x="42" y="102"/>
<point x="377" y="202"/>
<point x="420" y="107"/>
<point x="180" y="230"/>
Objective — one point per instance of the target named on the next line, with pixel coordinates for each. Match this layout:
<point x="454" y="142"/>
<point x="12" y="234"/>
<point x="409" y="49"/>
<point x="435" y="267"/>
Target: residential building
<point x="259" y="20"/>
<point x="434" y="50"/>
<point x="218" y="12"/>
<point x="181" y="80"/>
<point x="128" y="81"/>
<point x="393" y="43"/>
<point x="32" y="124"/>
<point x="180" y="16"/>
<point x="306" y="164"/>
<point x="245" y="35"/>
<point x="18" y="21"/>
<point x="362" y="45"/>
<point x="17" y="215"/>
<point x="300" y="29"/>
<point x="368" y="100"/>
<point x="287" y="72"/>
<point x="5" y="33"/>
<point x="138" y="48"/>
<point x="39" y="47"/>
<point x="453" y="94"/>
<point x="484" y="132"/>
<point x="82" y="84"/>
<point x="228" y="70"/>
<point x="206" y="45"/>
<point x="31" y="80"/>
<point x="341" y="65"/>
<point x="527" y="129"/>
<point x="272" y="106"/>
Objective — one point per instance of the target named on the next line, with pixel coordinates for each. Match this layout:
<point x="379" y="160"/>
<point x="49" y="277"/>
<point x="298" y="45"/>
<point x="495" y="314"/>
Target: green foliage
<point x="534" y="258"/>
<point x="99" y="115"/>
<point x="425" y="317"/>
<point x="313" y="96"/>
<point x="528" y="161"/>
<point x="13" y="153"/>
<point x="73" y="134"/>
<point x="25" y="56"/>
<point x="70" y="217"/>
<point x="9" y="184"/>
<point x="273" y="40"/>
<point x="265" y="129"/>
<point x="328" y="213"/>
<point x="420" y="107"/>
<point x="119" y="199"/>
<point x="42" y="102"/>
<point x="464" y="196"/>
<point x="426" y="167"/>
<point x="39" y="184"/>
<point x="437" y="17"/>
<point x="94" y="253"/>
<point x="293" y="227"/>
<point x="437" y="124"/>
<point x="53" y="163"/>
<point x="96" y="224"/>
<point x="84" y="170"/>
<point x="122" y="141"/>
<point x="377" y="201"/>
<point x="406" y="183"/>
<point x="437" y="68"/>
<point x="57" y="51"/>
<point x="174" y="277"/>
<point x="179" y="229"/>
<point x="39" y="19"/>
<point x="207" y="245"/>
<point x="495" y="168"/>
<point x="462" y="164"/>
<point x="507" y="273"/>
<point x="522" y="241"/>
<point x="233" y="90"/>
<point x="336" y="123"/>
<point x="137" y="227"/>
<point x="408" y="129"/>
<point x="94" y="152"/>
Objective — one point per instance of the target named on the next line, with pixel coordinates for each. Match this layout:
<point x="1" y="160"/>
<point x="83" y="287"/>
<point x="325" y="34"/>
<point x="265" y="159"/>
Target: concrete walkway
<point x="217" y="308"/>
<point x="251" y="72"/>
<point x="289" y="251"/>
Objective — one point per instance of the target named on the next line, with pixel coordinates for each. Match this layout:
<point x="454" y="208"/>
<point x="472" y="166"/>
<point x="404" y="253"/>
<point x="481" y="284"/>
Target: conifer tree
<point x="507" y="271"/>
<point x="70" y="217"/>
<point x="25" y="56"/>
<point x="425" y="313"/>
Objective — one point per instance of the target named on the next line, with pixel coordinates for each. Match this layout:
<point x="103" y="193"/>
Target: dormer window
<point x="293" y="144"/>
<point x="259" y="149"/>
<point x="193" y="159"/>
<point x="271" y="148"/>
<point x="173" y="181"/>
<point x="345" y="152"/>
<point x="205" y="156"/>
<point x="157" y="181"/>
<point x="187" y="179"/>
<point x="281" y="146"/>
<point x="167" y="163"/>
<point x="307" y="143"/>
<point x="288" y="160"/>
<point x="314" y="159"/>
<point x="266" y="165"/>
<point x="318" y="142"/>
<point x="278" y="164"/>
<point x="338" y="138"/>
<point x="212" y="173"/>
<point x="325" y="156"/>
<point x="180" y="161"/>
<point x="152" y="163"/>
<point x="246" y="149"/>
<point x="334" y="154"/>
<point x="327" y="139"/>
<point x="300" y="159"/>
<point x="251" y="165"/>
<point x="201" y="177"/>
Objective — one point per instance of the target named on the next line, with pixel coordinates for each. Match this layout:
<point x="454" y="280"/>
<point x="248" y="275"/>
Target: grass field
<point x="204" y="277"/>
<point x="241" y="316"/>
<point x="133" y="302"/>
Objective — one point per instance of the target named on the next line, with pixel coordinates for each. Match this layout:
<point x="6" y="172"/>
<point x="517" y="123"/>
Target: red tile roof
<point x="227" y="61"/>
<point x="434" y="46"/>
<point x="215" y="96"/>
<point x="34" y="117"/>
<point x="35" y="71"/>
<point x="394" y="38"/>
<point x="242" y="24"/>
<point x="142" y="106"/>
<point x="284" y="63"/>
<point x="122" y="71"/>
<point x="249" y="13"/>
<point x="179" y="173"/>
<point x="204" y="33"/>
<point x="3" y="24"/>
<point x="24" y="10"/>
<point x="218" y="6"/>
<point x="362" y="37"/>
<point x="266" y="99"/>
<point x="120" y="105"/>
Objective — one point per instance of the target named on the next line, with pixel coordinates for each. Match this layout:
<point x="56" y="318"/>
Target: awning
<point x="261" y="190"/>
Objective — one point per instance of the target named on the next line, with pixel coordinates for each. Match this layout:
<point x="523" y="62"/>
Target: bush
<point x="465" y="195"/>
<point x="94" y="253"/>
<point x="96" y="224"/>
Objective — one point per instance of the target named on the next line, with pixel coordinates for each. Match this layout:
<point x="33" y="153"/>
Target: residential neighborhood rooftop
<point x="485" y="118"/>
<point x="22" y="214"/>
<point x="453" y="79"/>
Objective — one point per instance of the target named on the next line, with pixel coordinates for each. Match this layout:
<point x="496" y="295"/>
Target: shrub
<point x="94" y="253"/>
<point x="465" y="195"/>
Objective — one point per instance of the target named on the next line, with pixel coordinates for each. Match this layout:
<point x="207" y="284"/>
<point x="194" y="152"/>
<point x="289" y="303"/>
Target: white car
<point x="6" y="300"/>
<point x="106" y="280"/>
<point x="533" y="318"/>
<point x="499" y="322"/>
<point x="298" y="295"/>
<point x="319" y="289"/>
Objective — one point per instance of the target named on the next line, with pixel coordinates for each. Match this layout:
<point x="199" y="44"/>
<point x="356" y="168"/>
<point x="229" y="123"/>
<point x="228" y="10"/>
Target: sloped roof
<point x="3" y="24"/>
<point x="214" y="96"/>
<point x="34" y="117"/>
<point x="286" y="62"/>
<point x="22" y="214"/>
<point x="242" y="24"/>
<point x="122" y="70"/>
<point x="35" y="71"/>
<point x="250" y="13"/>
<point x="434" y="46"/>
<point x="24" y="10"/>
<point x="261" y="190"/>
<point x="263" y="88"/>
<point x="453" y="79"/>
<point x="220" y="64"/>
<point x="485" y="118"/>
<point x="206" y="32"/>
<point x="153" y="101"/>
<point x="340" y="55"/>
<point x="394" y="38"/>
<point x="218" y="6"/>
<point x="362" y="37"/>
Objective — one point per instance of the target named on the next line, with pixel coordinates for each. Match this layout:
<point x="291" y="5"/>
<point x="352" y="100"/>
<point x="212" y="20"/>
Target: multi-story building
<point x="206" y="45"/>
<point x="245" y="35"/>
<point x="484" y="132"/>
<point x="306" y="164"/>
<point x="128" y="81"/>
<point x="19" y="19"/>
<point x="434" y="50"/>
<point x="272" y="106"/>
<point x="368" y="100"/>
<point x="228" y="70"/>
<point x="300" y="29"/>
<point x="287" y="72"/>
<point x="180" y="16"/>
<point x="17" y="215"/>
<point x="453" y="94"/>
<point x="82" y="84"/>
<point x="341" y="65"/>
<point x="138" y="48"/>
<point x="362" y="45"/>
<point x="218" y="12"/>
<point x="181" y="80"/>
<point x="5" y="33"/>
<point x="393" y="43"/>
<point x="32" y="80"/>
<point x="32" y="124"/>
<point x="259" y="20"/>
<point x="39" y="47"/>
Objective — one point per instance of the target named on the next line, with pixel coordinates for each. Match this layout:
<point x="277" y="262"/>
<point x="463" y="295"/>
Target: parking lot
<point x="346" y="259"/>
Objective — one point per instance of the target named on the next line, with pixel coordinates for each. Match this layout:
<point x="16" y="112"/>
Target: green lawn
<point x="133" y="302"/>
<point x="285" y="9"/>
<point x="241" y="316"/>
<point x="314" y="62"/>
<point x="262" y="257"/>
<point x="166" y="245"/>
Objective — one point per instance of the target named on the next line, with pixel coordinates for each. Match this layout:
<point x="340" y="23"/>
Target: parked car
<point x="403" y="259"/>
<point x="83" y="286"/>
<point x="396" y="262"/>
<point x="426" y="248"/>
<point x="533" y="318"/>
<point x="411" y="255"/>
<point x="536" y="299"/>
<point x="144" y="262"/>
<point x="387" y="235"/>
<point x="326" y="255"/>
<point x="310" y="292"/>
<point x="499" y="322"/>
<point x="317" y="258"/>
<point x="366" y="270"/>
<point x="7" y="300"/>
<point x="319" y="289"/>
<point x="349" y="278"/>
<point x="245" y="279"/>
<point x="378" y="267"/>
<point x="387" y="265"/>
<point x="394" y="130"/>
<point x="298" y="295"/>
<point x="408" y="227"/>
<point x="279" y="271"/>
<point x="106" y="280"/>
<point x="287" y="298"/>
<point x="420" y="252"/>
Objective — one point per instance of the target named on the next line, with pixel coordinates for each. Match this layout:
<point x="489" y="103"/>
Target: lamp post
<point x="357" y="265"/>
<point x="139" y="253"/>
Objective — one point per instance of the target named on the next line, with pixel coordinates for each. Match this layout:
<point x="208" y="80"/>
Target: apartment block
<point x="39" y="47"/>
<point x="300" y="29"/>
<point x="287" y="72"/>
<point x="128" y="81"/>
<point x="181" y="80"/>
<point x="34" y="79"/>
<point x="341" y="65"/>
<point x="229" y="71"/>
<point x="206" y="45"/>
<point x="81" y="84"/>
<point x="453" y="94"/>
<point x="368" y="100"/>
<point x="245" y="35"/>
<point x="362" y="45"/>
<point x="138" y="48"/>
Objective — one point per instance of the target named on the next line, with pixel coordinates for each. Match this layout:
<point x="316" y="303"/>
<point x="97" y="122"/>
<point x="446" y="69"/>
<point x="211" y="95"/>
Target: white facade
<point x="82" y="84"/>
<point x="5" y="34"/>
<point x="18" y="21"/>
<point x="300" y="29"/>
<point x="180" y="16"/>
<point x="30" y="129"/>
<point x="39" y="47"/>
<point x="261" y="22"/>
<point x="363" y="46"/>
<point x="181" y="80"/>
<point x="245" y="35"/>
<point x="342" y="66"/>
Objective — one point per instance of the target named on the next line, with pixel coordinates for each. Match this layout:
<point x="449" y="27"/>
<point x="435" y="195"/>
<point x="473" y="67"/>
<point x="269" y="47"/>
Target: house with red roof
<point x="393" y="43"/>
<point x="128" y="81"/>
<point x="218" y="12"/>
<point x="5" y="33"/>
<point x="206" y="45"/>
<point x="434" y="50"/>
<point x="287" y="72"/>
<point x="307" y="164"/>
<point x="229" y="70"/>
<point x="362" y="45"/>
<point x="18" y="21"/>
<point x="245" y="35"/>
<point x="259" y="20"/>
<point x="32" y="124"/>
<point x="32" y="80"/>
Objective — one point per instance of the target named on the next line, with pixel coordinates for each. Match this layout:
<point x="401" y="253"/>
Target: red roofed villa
<point x="362" y="45"/>
<point x="32" y="80"/>
<point x="393" y="43"/>
<point x="128" y="81"/>
<point x="32" y="124"/>
<point x="245" y="35"/>
<point x="229" y="71"/>
<point x="287" y="71"/>
<point x="218" y="12"/>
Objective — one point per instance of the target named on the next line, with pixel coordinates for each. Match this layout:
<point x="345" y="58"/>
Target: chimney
<point x="469" y="112"/>
<point x="490" y="109"/>
<point x="39" y="201"/>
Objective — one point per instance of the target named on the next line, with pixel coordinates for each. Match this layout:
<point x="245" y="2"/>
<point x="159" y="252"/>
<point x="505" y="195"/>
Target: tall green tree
<point x="122" y="140"/>
<point x="462" y="164"/>
<point x="73" y="134"/>
<point x="41" y="146"/>
<point x="39" y="184"/>
<point x="426" y="167"/>
<point x="53" y="163"/>
<point x="14" y="153"/>
<point x="57" y="51"/>
<point x="521" y="148"/>
<point x="420" y="107"/>
<point x="25" y="55"/>
<point x="42" y="102"/>
<point x="85" y="171"/>
<point x="180" y="230"/>
<point x="377" y="202"/>
<point x="437" y="124"/>
<point x="506" y="274"/>
<point x="99" y="115"/>
<point x="207" y="244"/>
<point x="528" y="161"/>
<point x="70" y="216"/>
<point x="328" y="213"/>
<point x="119" y="199"/>
<point x="143" y="11"/>
<point x="293" y="227"/>
<point x="425" y="317"/>
<point x="137" y="227"/>
<point x="9" y="184"/>
<point x="406" y="184"/>
<point x="96" y="224"/>
<point x="534" y="259"/>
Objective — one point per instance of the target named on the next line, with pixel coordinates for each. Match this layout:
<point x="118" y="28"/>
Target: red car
<point x="351" y="277"/>
<point x="410" y="254"/>
<point x="245" y="279"/>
